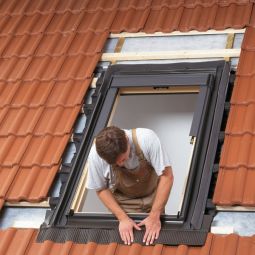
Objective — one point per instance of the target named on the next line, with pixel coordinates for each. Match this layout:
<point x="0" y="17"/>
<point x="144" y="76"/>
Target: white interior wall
<point x="170" y="116"/>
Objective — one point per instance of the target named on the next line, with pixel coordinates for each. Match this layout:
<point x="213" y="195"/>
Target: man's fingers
<point x="153" y="235"/>
<point x="157" y="234"/>
<point x="148" y="239"/>
<point x="145" y="236"/>
<point x="131" y="235"/>
<point x="141" y="224"/>
<point x="123" y="237"/>
<point x="136" y="226"/>
<point x="128" y="238"/>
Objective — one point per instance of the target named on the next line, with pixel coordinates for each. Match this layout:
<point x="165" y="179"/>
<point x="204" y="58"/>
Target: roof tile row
<point x="244" y="92"/>
<point x="48" y="68"/>
<point x="29" y="151"/>
<point x="18" y="7"/>
<point x="235" y="187"/>
<point x="57" y="23"/>
<point x="194" y="3"/>
<point x="14" y="8"/>
<point x="166" y="19"/>
<point x="235" y="183"/>
<point x="41" y="121"/>
<point x="133" y="16"/>
<point x="30" y="184"/>
<point x="20" y="242"/>
<point x="54" y="45"/>
<point x="241" y="119"/>
<point x="238" y="151"/>
<point x="34" y="94"/>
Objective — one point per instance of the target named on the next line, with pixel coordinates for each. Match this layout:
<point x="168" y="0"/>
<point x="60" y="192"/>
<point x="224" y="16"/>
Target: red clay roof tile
<point x="78" y="67"/>
<point x="44" y="151"/>
<point x="62" y="23"/>
<point x="235" y="187"/>
<point x="244" y="92"/>
<point x="241" y="120"/>
<point x="42" y="6"/>
<point x="68" y="93"/>
<point x="40" y="121"/>
<point x="88" y="44"/>
<point x="246" y="63"/>
<point x="31" y="184"/>
<point x="70" y="5"/>
<point x="12" y="69"/>
<point x="37" y="93"/>
<point x="29" y="151"/>
<point x="252" y="18"/>
<point x="198" y="17"/>
<point x="97" y="22"/>
<point x="12" y="237"/>
<point x="20" y="25"/>
<point x="48" y="68"/>
<point x="130" y="20"/>
<point x="134" y="4"/>
<point x="20" y="45"/>
<point x="17" y="7"/>
<point x="238" y="151"/>
<point x="103" y="5"/>
<point x="194" y="3"/>
<point x="22" y="241"/>
<point x="7" y="176"/>
<point x="248" y="41"/>
<point x="54" y="44"/>
<point x="28" y="184"/>
<point x="164" y="20"/>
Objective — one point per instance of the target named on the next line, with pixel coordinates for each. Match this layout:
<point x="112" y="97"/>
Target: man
<point x="131" y="173"/>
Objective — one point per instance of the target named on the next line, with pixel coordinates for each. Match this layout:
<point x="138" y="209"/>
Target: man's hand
<point x="126" y="230"/>
<point x="153" y="225"/>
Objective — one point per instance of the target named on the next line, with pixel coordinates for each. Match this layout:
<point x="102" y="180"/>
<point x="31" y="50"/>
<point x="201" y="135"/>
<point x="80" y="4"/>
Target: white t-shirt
<point x="100" y="174"/>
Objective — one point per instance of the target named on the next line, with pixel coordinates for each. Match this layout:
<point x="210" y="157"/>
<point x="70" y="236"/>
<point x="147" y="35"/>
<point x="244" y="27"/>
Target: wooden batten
<point x="177" y="33"/>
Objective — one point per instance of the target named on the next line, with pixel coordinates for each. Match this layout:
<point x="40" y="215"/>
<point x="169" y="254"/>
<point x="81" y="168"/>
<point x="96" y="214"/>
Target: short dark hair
<point x="110" y="143"/>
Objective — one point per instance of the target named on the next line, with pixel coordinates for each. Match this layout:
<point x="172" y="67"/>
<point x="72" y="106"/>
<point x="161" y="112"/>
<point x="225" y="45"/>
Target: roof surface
<point x="44" y="46"/>
<point x="49" y="50"/>
<point x="21" y="242"/>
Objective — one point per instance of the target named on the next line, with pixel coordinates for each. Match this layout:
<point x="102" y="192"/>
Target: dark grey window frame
<point x="193" y="223"/>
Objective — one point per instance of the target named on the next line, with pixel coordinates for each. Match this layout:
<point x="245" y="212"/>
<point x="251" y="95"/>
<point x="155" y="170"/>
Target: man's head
<point x="112" y="145"/>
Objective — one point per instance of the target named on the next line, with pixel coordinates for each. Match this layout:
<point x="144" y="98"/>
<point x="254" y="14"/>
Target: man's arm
<point x="126" y="224"/>
<point x="152" y="222"/>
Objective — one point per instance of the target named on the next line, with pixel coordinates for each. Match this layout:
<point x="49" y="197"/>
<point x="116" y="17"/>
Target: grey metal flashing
<point x="106" y="236"/>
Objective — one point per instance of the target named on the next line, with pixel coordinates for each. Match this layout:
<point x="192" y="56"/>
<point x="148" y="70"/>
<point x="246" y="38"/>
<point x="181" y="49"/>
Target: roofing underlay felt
<point x="48" y="52"/>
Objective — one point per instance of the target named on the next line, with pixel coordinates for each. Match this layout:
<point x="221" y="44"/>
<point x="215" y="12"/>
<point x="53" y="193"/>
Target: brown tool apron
<point x="135" y="189"/>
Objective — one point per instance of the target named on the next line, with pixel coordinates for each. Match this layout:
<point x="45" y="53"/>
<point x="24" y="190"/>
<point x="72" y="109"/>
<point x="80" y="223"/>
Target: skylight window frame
<point x="211" y="77"/>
